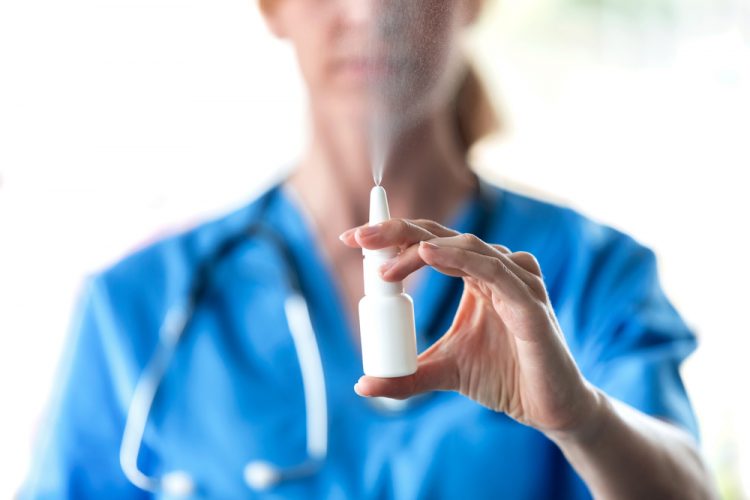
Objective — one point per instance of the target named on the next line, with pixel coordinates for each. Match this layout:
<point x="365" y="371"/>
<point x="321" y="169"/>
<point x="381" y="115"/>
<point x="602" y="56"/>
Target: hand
<point x="505" y="349"/>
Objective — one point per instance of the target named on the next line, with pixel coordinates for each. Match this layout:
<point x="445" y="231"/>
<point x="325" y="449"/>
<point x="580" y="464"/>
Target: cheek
<point x="312" y="63"/>
<point x="308" y="30"/>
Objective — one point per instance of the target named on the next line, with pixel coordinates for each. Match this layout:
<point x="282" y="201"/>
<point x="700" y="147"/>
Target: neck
<point x="427" y="163"/>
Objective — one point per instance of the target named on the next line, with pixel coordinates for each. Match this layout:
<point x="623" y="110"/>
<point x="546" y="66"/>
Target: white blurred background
<point x="123" y="120"/>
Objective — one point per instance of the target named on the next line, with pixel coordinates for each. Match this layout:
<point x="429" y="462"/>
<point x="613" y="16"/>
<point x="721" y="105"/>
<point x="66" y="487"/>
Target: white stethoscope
<point x="258" y="474"/>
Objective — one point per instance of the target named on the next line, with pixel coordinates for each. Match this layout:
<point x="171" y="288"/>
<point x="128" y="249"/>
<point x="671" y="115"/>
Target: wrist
<point x="595" y="411"/>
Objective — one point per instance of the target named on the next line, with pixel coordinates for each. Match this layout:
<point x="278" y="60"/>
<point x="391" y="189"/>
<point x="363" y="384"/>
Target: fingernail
<point x="346" y="233"/>
<point x="428" y="244"/>
<point x="369" y="230"/>
<point x="358" y="390"/>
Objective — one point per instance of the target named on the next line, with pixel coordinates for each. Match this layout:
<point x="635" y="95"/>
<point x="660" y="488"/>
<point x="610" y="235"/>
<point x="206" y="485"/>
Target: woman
<point x="557" y="376"/>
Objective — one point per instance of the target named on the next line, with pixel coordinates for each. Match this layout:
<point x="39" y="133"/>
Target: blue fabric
<point x="234" y="392"/>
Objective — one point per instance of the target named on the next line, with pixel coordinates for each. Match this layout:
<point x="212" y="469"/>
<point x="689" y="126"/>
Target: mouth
<point x="364" y="67"/>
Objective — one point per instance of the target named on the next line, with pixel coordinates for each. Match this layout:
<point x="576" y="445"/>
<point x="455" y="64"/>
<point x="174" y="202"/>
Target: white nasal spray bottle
<point x="386" y="313"/>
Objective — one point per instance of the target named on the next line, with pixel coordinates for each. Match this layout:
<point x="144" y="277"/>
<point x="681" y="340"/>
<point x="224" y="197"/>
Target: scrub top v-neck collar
<point x="317" y="279"/>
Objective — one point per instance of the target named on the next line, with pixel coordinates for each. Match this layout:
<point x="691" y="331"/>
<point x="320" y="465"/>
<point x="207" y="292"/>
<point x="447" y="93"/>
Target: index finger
<point x="400" y="233"/>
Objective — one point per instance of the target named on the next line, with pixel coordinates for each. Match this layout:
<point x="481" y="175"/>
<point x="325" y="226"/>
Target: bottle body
<point x="387" y="334"/>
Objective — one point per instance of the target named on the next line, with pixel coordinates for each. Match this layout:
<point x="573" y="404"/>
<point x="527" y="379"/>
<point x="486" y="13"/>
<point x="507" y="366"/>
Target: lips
<point x="372" y="67"/>
<point x="364" y="66"/>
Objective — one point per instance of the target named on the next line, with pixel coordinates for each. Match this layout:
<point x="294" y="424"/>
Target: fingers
<point x="434" y="373"/>
<point x="523" y="264"/>
<point x="401" y="266"/>
<point x="409" y="261"/>
<point x="437" y="229"/>
<point x="527" y="261"/>
<point x="405" y="234"/>
<point x="395" y="232"/>
<point x="455" y="260"/>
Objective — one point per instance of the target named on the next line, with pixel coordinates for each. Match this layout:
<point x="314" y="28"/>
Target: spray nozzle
<point x="378" y="206"/>
<point x="379" y="213"/>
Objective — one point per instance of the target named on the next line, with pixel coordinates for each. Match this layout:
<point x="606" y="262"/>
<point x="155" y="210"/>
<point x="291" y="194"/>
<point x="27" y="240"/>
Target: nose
<point x="358" y="12"/>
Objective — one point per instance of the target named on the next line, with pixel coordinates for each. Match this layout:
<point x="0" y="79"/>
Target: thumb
<point x="435" y="372"/>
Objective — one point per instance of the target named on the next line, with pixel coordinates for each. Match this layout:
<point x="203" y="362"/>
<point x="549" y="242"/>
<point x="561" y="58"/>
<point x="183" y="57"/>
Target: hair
<point x="474" y="113"/>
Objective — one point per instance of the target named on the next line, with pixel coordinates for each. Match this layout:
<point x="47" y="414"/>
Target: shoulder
<point x="604" y="284"/>
<point x="143" y="284"/>
<point x="589" y="267"/>
<point x="537" y="220"/>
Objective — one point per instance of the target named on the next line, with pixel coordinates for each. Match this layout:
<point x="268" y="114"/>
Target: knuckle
<point x="537" y="284"/>
<point x="470" y="239"/>
<point x="525" y="256"/>
<point x="400" y="227"/>
<point x="502" y="248"/>
<point x="434" y="227"/>
<point x="402" y="224"/>
<point x="537" y="281"/>
<point x="431" y="227"/>
<point x="527" y="261"/>
<point x="425" y="223"/>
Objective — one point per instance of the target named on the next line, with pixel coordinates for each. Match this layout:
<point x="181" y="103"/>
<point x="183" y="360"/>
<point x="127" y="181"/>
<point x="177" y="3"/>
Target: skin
<point x="505" y="349"/>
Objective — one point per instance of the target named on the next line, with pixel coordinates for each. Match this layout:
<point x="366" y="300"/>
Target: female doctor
<point x="550" y="354"/>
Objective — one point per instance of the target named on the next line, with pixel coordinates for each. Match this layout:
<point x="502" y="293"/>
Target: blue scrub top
<point x="233" y="392"/>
